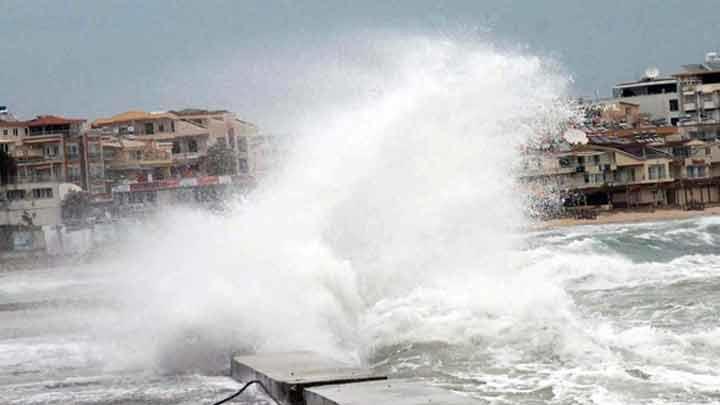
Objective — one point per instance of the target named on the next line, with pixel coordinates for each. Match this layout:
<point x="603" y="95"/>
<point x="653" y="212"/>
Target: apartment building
<point x="189" y="133"/>
<point x="10" y="135"/>
<point x="699" y="87"/>
<point x="643" y="169"/>
<point x="49" y="149"/>
<point x="33" y="204"/>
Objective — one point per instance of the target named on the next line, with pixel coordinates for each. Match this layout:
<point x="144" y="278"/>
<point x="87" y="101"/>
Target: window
<point x="656" y="172"/>
<point x="682" y="152"/>
<point x="136" y="155"/>
<point x="597" y="178"/>
<point x="596" y="159"/>
<point x="74" y="172"/>
<point x="695" y="171"/>
<point x="149" y="128"/>
<point x="242" y="144"/>
<point x="15" y="131"/>
<point x="73" y="151"/>
<point x="5" y="132"/>
<point x="172" y="126"/>
<point x="222" y="141"/>
<point x="176" y="147"/>
<point x="674" y="105"/>
<point x="4" y="147"/>
<point x="51" y="151"/>
<point x="243" y="165"/>
<point x="14" y="195"/>
<point x="96" y="171"/>
<point x="625" y="175"/>
<point x="192" y="146"/>
<point x="161" y="127"/>
<point x="581" y="160"/>
<point x="42" y="193"/>
<point x="707" y="151"/>
<point x="94" y="149"/>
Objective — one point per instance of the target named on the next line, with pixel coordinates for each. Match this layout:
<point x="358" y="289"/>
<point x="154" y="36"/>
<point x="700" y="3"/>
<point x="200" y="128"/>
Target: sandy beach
<point x="623" y="216"/>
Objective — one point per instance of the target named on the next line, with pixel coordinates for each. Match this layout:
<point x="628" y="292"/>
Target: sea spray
<point x="394" y="219"/>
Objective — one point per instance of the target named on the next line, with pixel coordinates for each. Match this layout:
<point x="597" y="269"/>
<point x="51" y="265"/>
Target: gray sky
<point x="90" y="58"/>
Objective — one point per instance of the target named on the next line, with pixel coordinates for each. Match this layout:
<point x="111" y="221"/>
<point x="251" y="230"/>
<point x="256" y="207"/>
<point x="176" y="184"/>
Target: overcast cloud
<point x="94" y="58"/>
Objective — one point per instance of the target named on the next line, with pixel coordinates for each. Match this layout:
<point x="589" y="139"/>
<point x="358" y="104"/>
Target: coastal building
<point x="135" y="160"/>
<point x="612" y="114"/>
<point x="33" y="204"/>
<point x="644" y="168"/>
<point x="145" y="197"/>
<point x="699" y="87"/>
<point x="48" y="148"/>
<point x="190" y="133"/>
<point x="27" y="211"/>
<point x="656" y="97"/>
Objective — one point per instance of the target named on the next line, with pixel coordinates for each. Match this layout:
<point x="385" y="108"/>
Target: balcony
<point x="187" y="156"/>
<point x="29" y="154"/>
<point x="709" y="105"/>
<point x="690" y="107"/>
<point x="37" y="178"/>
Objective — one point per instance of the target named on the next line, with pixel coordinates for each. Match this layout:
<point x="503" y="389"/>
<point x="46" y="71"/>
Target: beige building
<point x="136" y="160"/>
<point x="48" y="148"/>
<point x="189" y="133"/>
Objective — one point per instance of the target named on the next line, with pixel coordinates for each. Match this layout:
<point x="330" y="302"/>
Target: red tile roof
<point x="43" y="120"/>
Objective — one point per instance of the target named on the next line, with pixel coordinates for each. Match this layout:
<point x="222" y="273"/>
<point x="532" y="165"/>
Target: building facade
<point x="656" y="97"/>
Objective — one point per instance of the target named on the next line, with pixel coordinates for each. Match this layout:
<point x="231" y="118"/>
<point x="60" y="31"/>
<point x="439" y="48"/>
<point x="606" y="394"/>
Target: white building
<point x="33" y="204"/>
<point x="656" y="96"/>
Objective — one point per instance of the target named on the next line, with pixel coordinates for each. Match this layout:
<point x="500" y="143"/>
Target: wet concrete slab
<point x="395" y="392"/>
<point x="288" y="375"/>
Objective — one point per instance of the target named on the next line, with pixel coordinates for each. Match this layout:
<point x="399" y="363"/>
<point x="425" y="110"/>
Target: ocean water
<point x="616" y="314"/>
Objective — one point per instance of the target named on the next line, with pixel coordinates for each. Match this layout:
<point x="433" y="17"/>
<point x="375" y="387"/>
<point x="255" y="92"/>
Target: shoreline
<point x="627" y="217"/>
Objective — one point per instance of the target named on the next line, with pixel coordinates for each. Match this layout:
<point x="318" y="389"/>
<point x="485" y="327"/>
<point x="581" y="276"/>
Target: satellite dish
<point x="575" y="137"/>
<point x="652" y="73"/>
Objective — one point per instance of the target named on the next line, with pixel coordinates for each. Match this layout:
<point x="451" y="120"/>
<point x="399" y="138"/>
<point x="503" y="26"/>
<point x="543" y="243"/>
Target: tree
<point x="75" y="207"/>
<point x="221" y="160"/>
<point x="8" y="168"/>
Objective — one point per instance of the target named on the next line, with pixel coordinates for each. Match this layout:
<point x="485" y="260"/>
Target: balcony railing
<point x="36" y="179"/>
<point x="187" y="155"/>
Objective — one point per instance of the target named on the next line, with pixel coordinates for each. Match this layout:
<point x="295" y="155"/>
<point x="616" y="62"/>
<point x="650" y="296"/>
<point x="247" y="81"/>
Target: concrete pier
<point x="395" y="392"/>
<point x="307" y="378"/>
<point x="287" y="375"/>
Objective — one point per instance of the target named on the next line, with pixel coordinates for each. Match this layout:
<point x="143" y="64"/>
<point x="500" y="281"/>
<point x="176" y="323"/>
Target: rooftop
<point x="12" y="124"/>
<point x="43" y="120"/>
<point x="646" y="81"/>
<point x="197" y="111"/>
<point x="130" y="116"/>
<point x="697" y="70"/>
